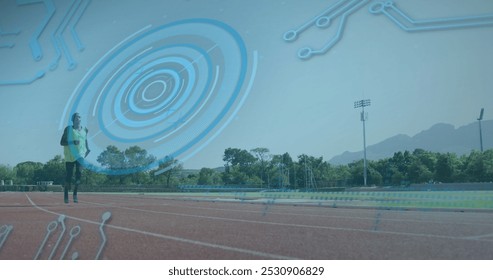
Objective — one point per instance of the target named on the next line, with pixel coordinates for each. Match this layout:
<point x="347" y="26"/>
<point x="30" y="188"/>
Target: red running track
<point x="161" y="227"/>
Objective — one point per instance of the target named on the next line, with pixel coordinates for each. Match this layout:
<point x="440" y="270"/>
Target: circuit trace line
<point x="341" y="9"/>
<point x="69" y="21"/>
<point x="49" y="229"/>
<point x="7" y="45"/>
<point x="104" y="218"/>
<point x="344" y="8"/>
<point x="409" y="24"/>
<point x="4" y="233"/>
<point x="8" y="33"/>
<point x="306" y="53"/>
<point x="58" y="41"/>
<point x="74" y="232"/>
<point x="34" y="44"/>
<point x="73" y="24"/>
<point x="40" y="74"/>
<point x="61" y="220"/>
<point x="293" y="34"/>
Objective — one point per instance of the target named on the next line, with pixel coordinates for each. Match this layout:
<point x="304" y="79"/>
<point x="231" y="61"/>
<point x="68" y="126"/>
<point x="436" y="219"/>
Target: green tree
<point x="418" y="172"/>
<point x="385" y="168"/>
<point x="53" y="170"/>
<point x="397" y="178"/>
<point x="238" y="157"/>
<point x="6" y="173"/>
<point x="239" y="166"/>
<point x="190" y="179"/>
<point x="446" y="167"/>
<point x="488" y="165"/>
<point x="208" y="176"/>
<point x="310" y="171"/>
<point x="27" y="172"/>
<point x="281" y="170"/>
<point x="357" y="171"/>
<point x="401" y="161"/>
<point x="479" y="166"/>
<point x="91" y="178"/>
<point x="137" y="158"/>
<point x="112" y="158"/>
<point x="341" y="176"/>
<point x="169" y="169"/>
<point x="428" y="159"/>
<point x="263" y="158"/>
<point x="289" y="166"/>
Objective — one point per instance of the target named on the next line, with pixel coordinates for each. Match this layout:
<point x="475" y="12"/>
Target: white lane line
<point x="408" y="234"/>
<point x="178" y="239"/>
<point x="345" y="211"/>
<point x="295" y="225"/>
<point x="478" y="237"/>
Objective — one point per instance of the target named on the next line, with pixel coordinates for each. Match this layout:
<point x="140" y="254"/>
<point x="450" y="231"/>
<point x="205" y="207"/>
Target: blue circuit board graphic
<point x="8" y="33"/>
<point x="68" y="23"/>
<point x="344" y="8"/>
<point x="74" y="232"/>
<point x="406" y="23"/>
<point x="59" y="226"/>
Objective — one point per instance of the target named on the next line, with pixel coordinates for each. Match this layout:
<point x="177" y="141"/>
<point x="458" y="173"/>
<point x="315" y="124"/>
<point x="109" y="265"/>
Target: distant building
<point x="44" y="183"/>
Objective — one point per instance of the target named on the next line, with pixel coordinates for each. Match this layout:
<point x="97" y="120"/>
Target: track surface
<point x="160" y="227"/>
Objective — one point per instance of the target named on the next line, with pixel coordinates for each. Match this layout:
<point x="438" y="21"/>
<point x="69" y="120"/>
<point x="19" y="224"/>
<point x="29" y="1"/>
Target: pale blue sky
<point x="414" y="79"/>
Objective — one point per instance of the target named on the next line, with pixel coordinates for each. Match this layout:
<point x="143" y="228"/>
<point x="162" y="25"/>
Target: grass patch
<point x="389" y="199"/>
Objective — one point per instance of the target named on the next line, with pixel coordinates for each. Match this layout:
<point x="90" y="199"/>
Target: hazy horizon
<point x="415" y="78"/>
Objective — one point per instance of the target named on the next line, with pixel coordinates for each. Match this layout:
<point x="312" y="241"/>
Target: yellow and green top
<point x="74" y="142"/>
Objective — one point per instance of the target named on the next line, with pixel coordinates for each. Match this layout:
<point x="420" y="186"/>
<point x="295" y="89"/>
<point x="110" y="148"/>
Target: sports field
<point x="416" y="200"/>
<point x="238" y="226"/>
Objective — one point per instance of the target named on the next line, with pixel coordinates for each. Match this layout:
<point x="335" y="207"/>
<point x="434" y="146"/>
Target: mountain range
<point x="441" y="138"/>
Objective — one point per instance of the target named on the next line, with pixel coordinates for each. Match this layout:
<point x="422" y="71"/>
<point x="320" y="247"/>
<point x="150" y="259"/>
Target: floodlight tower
<point x="480" y="132"/>
<point x="362" y="104"/>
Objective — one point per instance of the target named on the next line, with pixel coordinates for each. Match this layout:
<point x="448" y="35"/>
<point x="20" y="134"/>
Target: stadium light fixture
<point x="362" y="104"/>
<point x="480" y="131"/>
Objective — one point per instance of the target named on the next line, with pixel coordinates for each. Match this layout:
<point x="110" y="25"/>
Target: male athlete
<point x="75" y="149"/>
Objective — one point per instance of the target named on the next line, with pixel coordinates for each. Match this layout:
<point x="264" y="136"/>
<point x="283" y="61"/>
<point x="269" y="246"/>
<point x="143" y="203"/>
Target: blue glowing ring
<point x="106" y="116"/>
<point x="163" y="89"/>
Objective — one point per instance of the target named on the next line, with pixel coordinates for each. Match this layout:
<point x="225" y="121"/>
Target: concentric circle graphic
<point x="164" y="89"/>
